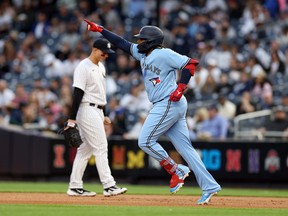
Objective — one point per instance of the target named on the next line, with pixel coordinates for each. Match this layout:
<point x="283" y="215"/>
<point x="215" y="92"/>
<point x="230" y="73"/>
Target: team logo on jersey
<point x="154" y="80"/>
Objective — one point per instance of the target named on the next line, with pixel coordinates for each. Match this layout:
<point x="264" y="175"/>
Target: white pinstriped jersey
<point x="91" y="79"/>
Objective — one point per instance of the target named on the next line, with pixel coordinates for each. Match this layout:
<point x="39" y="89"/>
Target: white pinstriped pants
<point x="91" y="127"/>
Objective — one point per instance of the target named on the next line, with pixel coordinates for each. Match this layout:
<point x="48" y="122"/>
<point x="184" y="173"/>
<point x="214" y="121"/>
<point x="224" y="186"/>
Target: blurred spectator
<point x="261" y="86"/>
<point x="272" y="7"/>
<point x="181" y="39"/>
<point x="267" y="102"/>
<point x="253" y="13"/>
<point x="112" y="107"/>
<point x="235" y="72"/>
<point x="258" y="54"/>
<point x="226" y="108"/>
<point x="246" y="105"/>
<point x="224" y="56"/>
<point x="71" y="35"/>
<point x="65" y="97"/>
<point x="276" y="123"/>
<point x="282" y="39"/>
<point x="53" y="66"/>
<point x="63" y="51"/>
<point x="136" y="100"/>
<point x="244" y="84"/>
<point x="284" y="99"/>
<point x="122" y="64"/>
<point x="85" y="7"/>
<point x="48" y="121"/>
<point x="40" y="50"/>
<point x="212" y="5"/>
<point x="119" y="126"/>
<point x="215" y="127"/>
<point x="21" y="65"/>
<point x="209" y="87"/>
<point x="194" y="123"/>
<point x="16" y="113"/>
<point x="225" y="30"/>
<point x="7" y="14"/>
<point x="63" y="116"/>
<point x="6" y="94"/>
<point x="55" y="87"/>
<point x="69" y="4"/>
<point x="134" y="132"/>
<point x="63" y="13"/>
<point x="30" y="115"/>
<point x="23" y="114"/>
<point x="212" y="69"/>
<point x="234" y="40"/>
<point x="277" y="64"/>
<point x="205" y="31"/>
<point x="4" y="66"/>
<point x="225" y="85"/>
<point x="235" y="9"/>
<point x="109" y="15"/>
<point x="56" y="27"/>
<point x="111" y="82"/>
<point x="41" y="26"/>
<point x="70" y="64"/>
<point x="45" y="95"/>
<point x="26" y="16"/>
<point x="21" y="96"/>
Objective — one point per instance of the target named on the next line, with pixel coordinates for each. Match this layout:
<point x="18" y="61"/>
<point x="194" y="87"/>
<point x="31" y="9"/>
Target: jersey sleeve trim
<point x="184" y="65"/>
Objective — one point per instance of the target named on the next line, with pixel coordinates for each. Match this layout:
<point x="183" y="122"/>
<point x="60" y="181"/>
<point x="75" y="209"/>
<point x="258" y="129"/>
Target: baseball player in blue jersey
<point x="168" y="114"/>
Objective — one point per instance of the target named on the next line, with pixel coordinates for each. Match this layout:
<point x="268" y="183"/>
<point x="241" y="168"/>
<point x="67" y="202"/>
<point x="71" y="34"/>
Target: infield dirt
<point x="142" y="200"/>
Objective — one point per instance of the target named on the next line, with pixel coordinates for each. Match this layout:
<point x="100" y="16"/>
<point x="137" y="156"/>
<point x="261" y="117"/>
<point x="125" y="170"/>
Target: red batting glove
<point x="177" y="94"/>
<point x="91" y="26"/>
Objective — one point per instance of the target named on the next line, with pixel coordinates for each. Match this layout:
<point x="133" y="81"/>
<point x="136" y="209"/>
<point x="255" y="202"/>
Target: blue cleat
<point x="205" y="199"/>
<point x="177" y="180"/>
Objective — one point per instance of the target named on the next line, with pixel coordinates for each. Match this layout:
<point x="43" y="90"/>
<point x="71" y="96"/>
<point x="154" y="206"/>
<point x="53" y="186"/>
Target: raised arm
<point x="116" y="40"/>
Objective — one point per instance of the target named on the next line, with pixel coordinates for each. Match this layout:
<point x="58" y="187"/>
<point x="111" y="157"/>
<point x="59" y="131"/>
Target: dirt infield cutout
<point x="142" y="200"/>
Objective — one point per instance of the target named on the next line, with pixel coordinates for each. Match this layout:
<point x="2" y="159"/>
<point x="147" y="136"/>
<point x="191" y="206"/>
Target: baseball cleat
<point x="114" y="191"/>
<point x="177" y="180"/>
<point x="205" y="199"/>
<point x="80" y="192"/>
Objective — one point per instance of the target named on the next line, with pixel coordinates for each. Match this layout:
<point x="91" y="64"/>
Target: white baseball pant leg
<point x="91" y="127"/>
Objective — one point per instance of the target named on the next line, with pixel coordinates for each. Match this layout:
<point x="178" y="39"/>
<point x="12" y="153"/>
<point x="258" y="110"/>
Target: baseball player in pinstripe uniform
<point x="168" y="114"/>
<point x="89" y="99"/>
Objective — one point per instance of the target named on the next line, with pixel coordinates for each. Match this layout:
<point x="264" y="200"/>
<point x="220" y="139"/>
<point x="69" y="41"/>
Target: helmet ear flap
<point x="144" y="46"/>
<point x="149" y="44"/>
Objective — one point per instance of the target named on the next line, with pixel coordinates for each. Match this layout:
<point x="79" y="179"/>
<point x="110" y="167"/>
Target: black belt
<point x="98" y="106"/>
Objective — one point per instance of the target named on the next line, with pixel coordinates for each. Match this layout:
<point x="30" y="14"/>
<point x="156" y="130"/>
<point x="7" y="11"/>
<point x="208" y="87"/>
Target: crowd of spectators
<point x="242" y="47"/>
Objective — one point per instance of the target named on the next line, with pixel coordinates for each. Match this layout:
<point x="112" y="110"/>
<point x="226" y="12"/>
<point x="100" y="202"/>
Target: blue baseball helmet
<point x="153" y="37"/>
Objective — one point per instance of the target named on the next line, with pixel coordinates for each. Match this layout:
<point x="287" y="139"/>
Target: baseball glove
<point x="71" y="135"/>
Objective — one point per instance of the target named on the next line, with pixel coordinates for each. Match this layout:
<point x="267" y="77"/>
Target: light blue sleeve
<point x="176" y="60"/>
<point x="135" y="53"/>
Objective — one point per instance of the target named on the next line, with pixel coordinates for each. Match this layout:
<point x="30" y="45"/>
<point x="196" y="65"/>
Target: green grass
<point x="61" y="187"/>
<point x="74" y="210"/>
